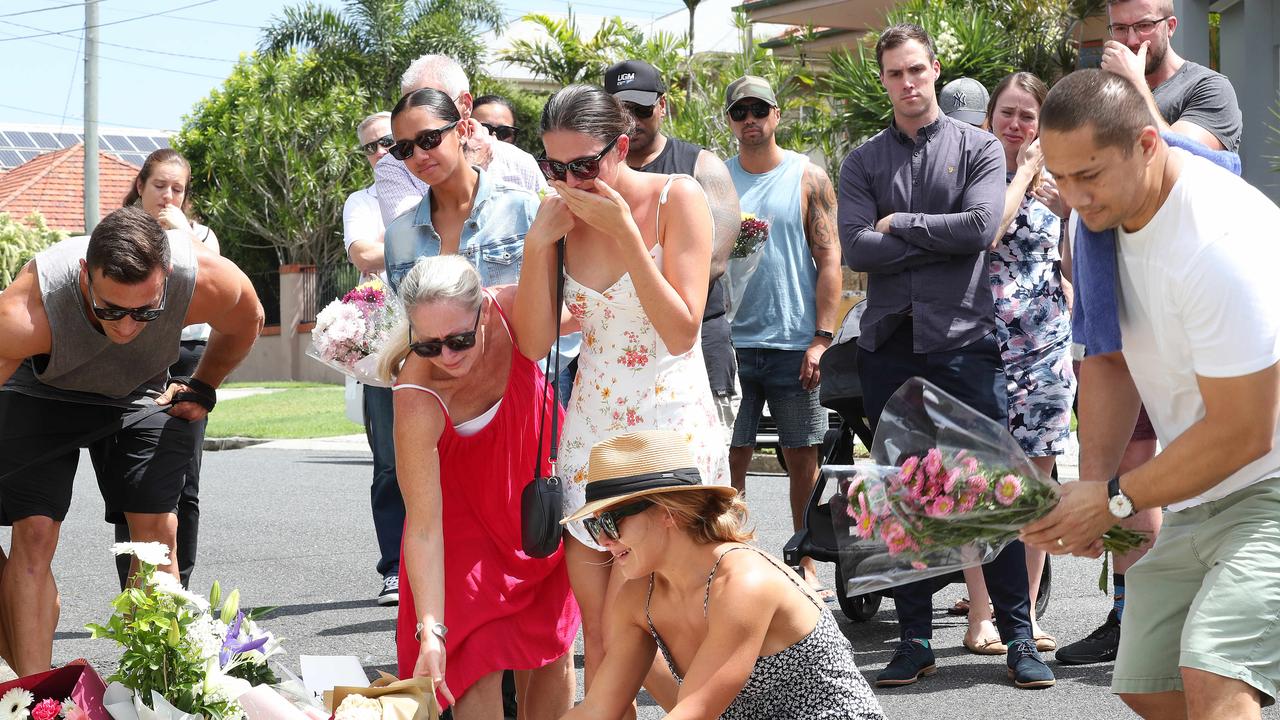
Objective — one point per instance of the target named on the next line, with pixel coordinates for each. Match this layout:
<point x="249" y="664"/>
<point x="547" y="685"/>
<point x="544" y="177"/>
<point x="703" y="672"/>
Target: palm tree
<point x="371" y="42"/>
<point x="565" y="57"/>
<point x="693" y="6"/>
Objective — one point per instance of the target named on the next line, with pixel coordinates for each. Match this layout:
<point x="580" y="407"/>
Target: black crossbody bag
<point x="542" y="502"/>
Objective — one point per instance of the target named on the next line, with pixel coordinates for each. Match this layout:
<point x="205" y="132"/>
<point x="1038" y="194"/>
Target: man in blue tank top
<point x="91" y="326"/>
<point x="788" y="311"/>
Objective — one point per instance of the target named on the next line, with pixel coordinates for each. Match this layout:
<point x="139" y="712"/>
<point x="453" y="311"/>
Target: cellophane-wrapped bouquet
<point x="350" y="331"/>
<point x="743" y="260"/>
<point x="950" y="489"/>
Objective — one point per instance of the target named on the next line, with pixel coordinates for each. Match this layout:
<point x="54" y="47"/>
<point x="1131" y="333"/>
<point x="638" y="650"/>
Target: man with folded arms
<point x="1196" y="300"/>
<point x="90" y="327"/>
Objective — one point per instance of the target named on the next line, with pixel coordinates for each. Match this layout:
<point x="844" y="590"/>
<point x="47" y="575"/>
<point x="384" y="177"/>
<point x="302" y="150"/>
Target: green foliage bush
<point x="20" y="241"/>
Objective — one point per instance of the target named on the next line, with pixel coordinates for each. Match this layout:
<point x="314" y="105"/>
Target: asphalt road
<point x="291" y="529"/>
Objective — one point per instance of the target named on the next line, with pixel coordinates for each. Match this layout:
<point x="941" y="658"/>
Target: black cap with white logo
<point x="634" y="81"/>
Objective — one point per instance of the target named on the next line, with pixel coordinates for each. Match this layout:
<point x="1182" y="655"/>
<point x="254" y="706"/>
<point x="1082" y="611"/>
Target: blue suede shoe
<point x="911" y="661"/>
<point x="1026" y="669"/>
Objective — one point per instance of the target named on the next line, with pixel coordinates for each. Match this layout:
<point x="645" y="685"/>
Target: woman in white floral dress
<point x="637" y="265"/>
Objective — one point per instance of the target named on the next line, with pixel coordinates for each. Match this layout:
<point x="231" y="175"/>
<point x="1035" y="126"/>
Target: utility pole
<point x="91" y="213"/>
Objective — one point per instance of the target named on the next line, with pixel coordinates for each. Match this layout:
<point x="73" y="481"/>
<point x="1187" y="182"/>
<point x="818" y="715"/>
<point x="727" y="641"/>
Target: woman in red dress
<point x="467" y="408"/>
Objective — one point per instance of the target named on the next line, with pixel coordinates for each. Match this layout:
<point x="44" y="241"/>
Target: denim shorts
<point x="1207" y="596"/>
<point x="773" y="376"/>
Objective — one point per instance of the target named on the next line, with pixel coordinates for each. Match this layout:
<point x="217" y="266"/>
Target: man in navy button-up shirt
<point x="918" y="205"/>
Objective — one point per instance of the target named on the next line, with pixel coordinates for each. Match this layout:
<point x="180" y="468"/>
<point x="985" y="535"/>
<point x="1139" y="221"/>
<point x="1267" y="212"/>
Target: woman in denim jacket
<point x="465" y="211"/>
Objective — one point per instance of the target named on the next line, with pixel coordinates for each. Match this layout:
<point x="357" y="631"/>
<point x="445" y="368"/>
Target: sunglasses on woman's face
<point x="606" y="523"/>
<point x="372" y="146"/>
<point x="640" y="112"/>
<point x="457" y="343"/>
<point x="505" y="133"/>
<point x="759" y="109"/>
<point x="427" y="140"/>
<point x="584" y="168"/>
<point x="140" y="314"/>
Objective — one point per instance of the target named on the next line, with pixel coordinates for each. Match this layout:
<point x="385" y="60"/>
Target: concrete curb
<point x="231" y="443"/>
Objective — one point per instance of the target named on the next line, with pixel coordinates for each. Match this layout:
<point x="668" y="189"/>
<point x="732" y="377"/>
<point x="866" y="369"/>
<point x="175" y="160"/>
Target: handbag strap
<point x="553" y="380"/>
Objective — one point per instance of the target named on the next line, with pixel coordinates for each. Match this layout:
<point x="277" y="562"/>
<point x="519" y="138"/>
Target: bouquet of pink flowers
<point x="744" y="259"/>
<point x="349" y="332"/>
<point x="951" y="490"/>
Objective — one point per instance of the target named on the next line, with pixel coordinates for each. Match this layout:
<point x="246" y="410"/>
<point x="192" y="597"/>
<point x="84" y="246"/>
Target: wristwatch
<point x="1120" y="505"/>
<point x="824" y="334"/>
<point x="437" y="629"/>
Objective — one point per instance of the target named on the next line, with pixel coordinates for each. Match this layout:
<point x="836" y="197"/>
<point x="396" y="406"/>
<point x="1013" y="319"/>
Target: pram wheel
<point x="859" y="608"/>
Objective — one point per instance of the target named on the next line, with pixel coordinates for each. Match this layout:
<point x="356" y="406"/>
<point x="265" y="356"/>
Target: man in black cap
<point x="642" y="92"/>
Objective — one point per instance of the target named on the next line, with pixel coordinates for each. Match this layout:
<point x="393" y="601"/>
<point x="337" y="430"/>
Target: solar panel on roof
<point x="120" y="143"/>
<point x="103" y="144"/>
<point x="4" y="142"/>
<point x="162" y="141"/>
<point x="45" y="141"/>
<point x="66" y="140"/>
<point x="134" y="158"/>
<point x="10" y="158"/>
<point x="28" y="154"/>
<point x="145" y="144"/>
<point x="19" y="139"/>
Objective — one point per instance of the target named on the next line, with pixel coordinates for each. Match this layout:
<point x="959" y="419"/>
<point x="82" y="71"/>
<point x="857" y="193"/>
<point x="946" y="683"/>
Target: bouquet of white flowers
<point x="349" y="332"/>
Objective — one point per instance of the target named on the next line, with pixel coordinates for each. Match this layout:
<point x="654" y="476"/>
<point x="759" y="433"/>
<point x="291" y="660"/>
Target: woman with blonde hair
<point x="468" y="411"/>
<point x="744" y="636"/>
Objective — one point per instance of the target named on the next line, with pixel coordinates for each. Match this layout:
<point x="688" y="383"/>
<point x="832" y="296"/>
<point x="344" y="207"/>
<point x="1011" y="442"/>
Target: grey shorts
<point x="773" y="376"/>
<point x="1207" y="596"/>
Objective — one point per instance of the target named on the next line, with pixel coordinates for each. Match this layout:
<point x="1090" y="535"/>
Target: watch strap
<point x="824" y="334"/>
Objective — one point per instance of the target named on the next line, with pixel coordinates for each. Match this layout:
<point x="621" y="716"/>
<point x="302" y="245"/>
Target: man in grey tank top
<point x="91" y="326"/>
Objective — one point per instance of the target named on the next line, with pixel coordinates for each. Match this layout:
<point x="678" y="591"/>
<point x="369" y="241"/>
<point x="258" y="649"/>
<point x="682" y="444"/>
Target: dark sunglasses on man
<point x="505" y="133"/>
<point x="583" y="168"/>
<point x="427" y="140"/>
<point x="640" y="112"/>
<point x="140" y="314"/>
<point x="606" y="523"/>
<point x="456" y="342"/>
<point x="759" y="110"/>
<point x="371" y="147"/>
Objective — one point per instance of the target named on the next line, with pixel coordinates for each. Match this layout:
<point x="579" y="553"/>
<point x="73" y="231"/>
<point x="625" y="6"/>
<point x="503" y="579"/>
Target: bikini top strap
<point x="647" y="599"/>
<point x="706" y="601"/>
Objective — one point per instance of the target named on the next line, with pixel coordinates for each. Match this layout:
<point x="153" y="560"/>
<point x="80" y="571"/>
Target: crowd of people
<point x="1032" y="251"/>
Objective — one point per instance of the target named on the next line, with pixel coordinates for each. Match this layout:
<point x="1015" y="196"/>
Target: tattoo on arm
<point x="820" y="215"/>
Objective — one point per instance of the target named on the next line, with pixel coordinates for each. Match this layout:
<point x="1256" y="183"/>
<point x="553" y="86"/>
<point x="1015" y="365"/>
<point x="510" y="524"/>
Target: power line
<point x="49" y="114"/>
<point x="212" y="22"/>
<point x="128" y="62"/>
<point x="124" y="47"/>
<point x="40" y="10"/>
<point x="113" y="22"/>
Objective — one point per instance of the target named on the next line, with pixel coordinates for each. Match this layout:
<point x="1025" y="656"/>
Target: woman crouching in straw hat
<point x="466" y="433"/>
<point x="744" y="636"/>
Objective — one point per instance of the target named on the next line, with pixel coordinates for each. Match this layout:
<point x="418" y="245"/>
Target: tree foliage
<point x="273" y="159"/>
<point x="369" y="43"/>
<point x="20" y="241"/>
<point x="565" y="57"/>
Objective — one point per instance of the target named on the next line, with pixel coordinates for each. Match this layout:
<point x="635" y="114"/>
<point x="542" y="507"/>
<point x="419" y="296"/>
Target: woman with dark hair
<point x="637" y="263"/>
<point x="467" y="424"/>
<point x="163" y="189"/>
<point x="465" y="210"/>
<point x="744" y="636"/>
<point x="1033" y="318"/>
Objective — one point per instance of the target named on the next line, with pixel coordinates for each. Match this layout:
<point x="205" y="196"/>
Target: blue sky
<point x="154" y="69"/>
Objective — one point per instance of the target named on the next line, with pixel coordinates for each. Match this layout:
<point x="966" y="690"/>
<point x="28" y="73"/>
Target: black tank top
<point x="680" y="158"/>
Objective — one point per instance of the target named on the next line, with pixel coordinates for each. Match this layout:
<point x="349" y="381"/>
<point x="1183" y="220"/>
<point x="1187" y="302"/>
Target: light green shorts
<point x="1207" y="596"/>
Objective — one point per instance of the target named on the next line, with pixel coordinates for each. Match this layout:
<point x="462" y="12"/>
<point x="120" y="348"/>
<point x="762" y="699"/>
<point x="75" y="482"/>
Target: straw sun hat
<point x="635" y="465"/>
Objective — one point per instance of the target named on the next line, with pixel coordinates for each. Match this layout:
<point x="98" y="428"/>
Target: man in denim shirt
<point x="918" y="205"/>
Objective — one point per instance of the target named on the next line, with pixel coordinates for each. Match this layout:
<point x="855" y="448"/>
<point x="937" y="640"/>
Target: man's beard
<point x="1155" y="55"/>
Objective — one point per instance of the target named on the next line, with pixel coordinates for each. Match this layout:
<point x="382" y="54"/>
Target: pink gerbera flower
<point x="977" y="484"/>
<point x="942" y="507"/>
<point x="933" y="462"/>
<point x="1008" y="489"/>
<point x="953" y="478"/>
<point x="909" y="468"/>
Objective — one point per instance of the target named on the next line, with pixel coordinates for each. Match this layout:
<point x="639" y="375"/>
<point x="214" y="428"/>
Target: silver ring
<point x="1060" y="543"/>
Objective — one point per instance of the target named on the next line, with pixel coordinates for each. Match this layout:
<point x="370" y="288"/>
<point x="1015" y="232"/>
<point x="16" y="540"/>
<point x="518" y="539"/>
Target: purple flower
<point x="232" y="645"/>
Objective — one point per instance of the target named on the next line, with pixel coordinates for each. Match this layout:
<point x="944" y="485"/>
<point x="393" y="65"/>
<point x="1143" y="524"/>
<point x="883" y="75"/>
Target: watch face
<point x="1120" y="506"/>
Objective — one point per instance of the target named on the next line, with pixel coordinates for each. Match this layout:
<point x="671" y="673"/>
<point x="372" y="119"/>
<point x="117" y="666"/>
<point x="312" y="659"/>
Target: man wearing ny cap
<point x="919" y="204"/>
<point x="788" y="311"/>
<point x="642" y="92"/>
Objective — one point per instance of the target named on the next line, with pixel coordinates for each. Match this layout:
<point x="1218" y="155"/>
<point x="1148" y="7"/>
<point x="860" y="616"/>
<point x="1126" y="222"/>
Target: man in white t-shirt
<point x="1199" y="315"/>
<point x="362" y="230"/>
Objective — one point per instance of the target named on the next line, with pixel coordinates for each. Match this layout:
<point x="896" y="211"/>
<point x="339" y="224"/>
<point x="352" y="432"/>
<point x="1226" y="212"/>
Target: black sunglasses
<point x="371" y="147"/>
<point x="457" y="343"/>
<point x="607" y="521"/>
<point x="427" y="140"/>
<point x="759" y="109"/>
<point x="505" y="133"/>
<point x="112" y="314"/>
<point x="584" y="168"/>
<point x="641" y="112"/>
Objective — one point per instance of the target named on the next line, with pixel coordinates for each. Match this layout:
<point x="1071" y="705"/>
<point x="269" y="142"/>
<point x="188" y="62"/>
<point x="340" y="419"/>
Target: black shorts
<point x="140" y="469"/>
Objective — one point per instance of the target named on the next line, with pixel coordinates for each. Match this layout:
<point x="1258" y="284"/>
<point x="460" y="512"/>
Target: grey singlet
<point x="83" y="365"/>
